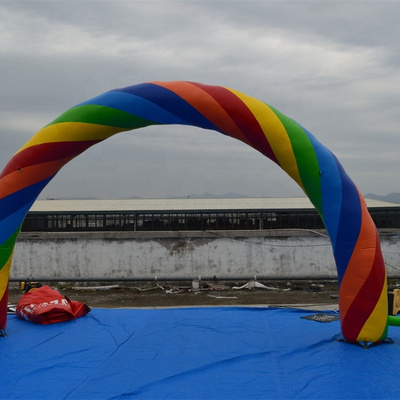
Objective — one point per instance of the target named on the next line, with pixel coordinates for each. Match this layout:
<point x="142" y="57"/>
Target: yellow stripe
<point x="376" y="323"/>
<point x="71" y="132"/>
<point x="275" y="133"/>
<point x="5" y="276"/>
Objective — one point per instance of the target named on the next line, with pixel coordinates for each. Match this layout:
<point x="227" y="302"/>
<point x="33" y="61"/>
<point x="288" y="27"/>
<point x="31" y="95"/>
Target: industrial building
<point x="188" y="214"/>
<point x="271" y="238"/>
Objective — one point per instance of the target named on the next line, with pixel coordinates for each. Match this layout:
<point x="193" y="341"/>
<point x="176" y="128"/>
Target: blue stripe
<point x="349" y="223"/>
<point x="135" y="105"/>
<point x="13" y="221"/>
<point x="331" y="187"/>
<point x="172" y="103"/>
<point x="15" y="201"/>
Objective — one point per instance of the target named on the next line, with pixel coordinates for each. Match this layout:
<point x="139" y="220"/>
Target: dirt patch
<point x="184" y="294"/>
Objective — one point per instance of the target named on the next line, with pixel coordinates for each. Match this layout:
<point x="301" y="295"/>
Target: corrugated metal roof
<point x="158" y="205"/>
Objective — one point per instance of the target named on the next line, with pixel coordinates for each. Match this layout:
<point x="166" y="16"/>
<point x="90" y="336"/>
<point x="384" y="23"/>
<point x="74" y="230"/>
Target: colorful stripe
<point x="355" y="243"/>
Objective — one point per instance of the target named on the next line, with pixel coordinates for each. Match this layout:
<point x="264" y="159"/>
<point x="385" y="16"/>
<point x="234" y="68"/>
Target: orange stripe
<point x="28" y="176"/>
<point x="361" y="261"/>
<point x="201" y="100"/>
<point x="365" y="314"/>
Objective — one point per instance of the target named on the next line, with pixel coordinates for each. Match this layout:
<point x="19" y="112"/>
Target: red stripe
<point x="3" y="309"/>
<point x="203" y="102"/>
<point x="366" y="300"/>
<point x="46" y="152"/>
<point x="242" y="117"/>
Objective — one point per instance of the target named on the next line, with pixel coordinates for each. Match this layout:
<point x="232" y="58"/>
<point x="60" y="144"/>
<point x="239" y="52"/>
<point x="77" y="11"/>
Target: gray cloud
<point x="332" y="66"/>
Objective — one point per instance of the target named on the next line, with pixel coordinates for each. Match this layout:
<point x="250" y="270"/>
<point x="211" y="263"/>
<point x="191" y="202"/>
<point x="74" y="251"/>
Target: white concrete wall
<point x="172" y="255"/>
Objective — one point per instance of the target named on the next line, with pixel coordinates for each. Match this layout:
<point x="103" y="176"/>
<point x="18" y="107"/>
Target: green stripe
<point x="102" y="115"/>
<point x="7" y="248"/>
<point x="393" y="320"/>
<point x="306" y="159"/>
<point x="385" y="332"/>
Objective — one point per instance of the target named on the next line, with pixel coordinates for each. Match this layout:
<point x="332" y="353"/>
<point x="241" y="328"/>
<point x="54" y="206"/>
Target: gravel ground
<point x="188" y="293"/>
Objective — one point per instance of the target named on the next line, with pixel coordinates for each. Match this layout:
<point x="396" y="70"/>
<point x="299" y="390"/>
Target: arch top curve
<point x="232" y="113"/>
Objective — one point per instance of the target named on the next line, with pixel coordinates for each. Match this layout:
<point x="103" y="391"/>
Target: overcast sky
<point x="333" y="66"/>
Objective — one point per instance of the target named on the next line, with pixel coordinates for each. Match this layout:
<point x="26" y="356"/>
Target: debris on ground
<point x="315" y="287"/>
<point x="254" y="284"/>
<point x="322" y="317"/>
<point x="107" y="287"/>
<point x="195" y="292"/>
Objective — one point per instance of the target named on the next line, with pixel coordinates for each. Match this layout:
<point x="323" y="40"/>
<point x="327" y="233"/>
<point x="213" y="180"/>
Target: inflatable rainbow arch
<point x="361" y="271"/>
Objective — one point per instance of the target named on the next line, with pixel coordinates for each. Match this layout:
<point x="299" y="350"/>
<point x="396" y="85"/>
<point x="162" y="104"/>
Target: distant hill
<point x="229" y="195"/>
<point x="390" y="198"/>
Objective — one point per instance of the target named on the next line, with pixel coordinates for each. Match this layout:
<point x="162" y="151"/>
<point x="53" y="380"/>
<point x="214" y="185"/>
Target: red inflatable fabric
<point x="48" y="306"/>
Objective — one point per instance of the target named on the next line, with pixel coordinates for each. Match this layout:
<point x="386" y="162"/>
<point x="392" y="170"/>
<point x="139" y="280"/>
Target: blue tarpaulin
<point x="193" y="353"/>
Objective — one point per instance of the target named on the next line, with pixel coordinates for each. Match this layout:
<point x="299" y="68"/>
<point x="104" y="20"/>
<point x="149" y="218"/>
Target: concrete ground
<point x="300" y="294"/>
